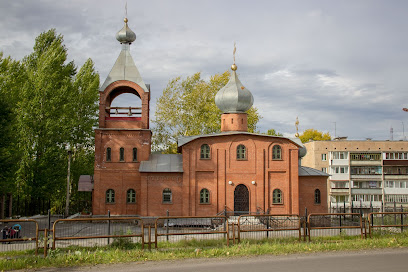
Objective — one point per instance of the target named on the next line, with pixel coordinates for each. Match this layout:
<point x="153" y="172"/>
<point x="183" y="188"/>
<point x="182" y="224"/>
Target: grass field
<point x="121" y="250"/>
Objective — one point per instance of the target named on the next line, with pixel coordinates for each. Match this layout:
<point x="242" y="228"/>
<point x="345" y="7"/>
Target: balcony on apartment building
<point x="339" y="201"/>
<point x="395" y="172"/>
<point x="365" y="158"/>
<point x="339" y="158"/>
<point x="339" y="187"/>
<point x="367" y="200"/>
<point x="366" y="172"/>
<point x="372" y="187"/>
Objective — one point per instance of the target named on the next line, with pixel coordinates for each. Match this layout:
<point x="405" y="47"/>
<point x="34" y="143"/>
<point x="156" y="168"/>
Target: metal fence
<point x="97" y="231"/>
<point x="333" y="224"/>
<point x="19" y="234"/>
<point x="269" y="226"/>
<point x="26" y="234"/>
<point x="387" y="221"/>
<point x="173" y="228"/>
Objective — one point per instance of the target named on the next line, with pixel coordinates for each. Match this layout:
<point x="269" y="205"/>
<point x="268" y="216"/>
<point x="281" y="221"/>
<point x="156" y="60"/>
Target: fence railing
<point x="331" y="224"/>
<point x="19" y="234"/>
<point x="88" y="232"/>
<point x="387" y="220"/>
<point x="96" y="231"/>
<point x="260" y="226"/>
<point x="194" y="227"/>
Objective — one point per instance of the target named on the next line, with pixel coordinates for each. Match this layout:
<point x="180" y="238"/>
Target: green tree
<point x="187" y="108"/>
<point x="314" y="135"/>
<point x="10" y="75"/>
<point x="273" y="132"/>
<point x="56" y="108"/>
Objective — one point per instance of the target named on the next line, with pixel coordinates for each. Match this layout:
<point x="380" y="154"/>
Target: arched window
<point x="277" y="197"/>
<point x="167" y="196"/>
<point x="317" y="197"/>
<point x="108" y="154"/>
<point x="131" y="196"/>
<point x="241" y="152"/>
<point x="276" y="152"/>
<point x="134" y="154"/>
<point x="122" y="154"/>
<point x="205" y="152"/>
<point x="110" y="196"/>
<point x="204" y="196"/>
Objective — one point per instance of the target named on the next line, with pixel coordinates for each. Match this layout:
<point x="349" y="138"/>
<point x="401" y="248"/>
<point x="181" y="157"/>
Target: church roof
<point x="163" y="163"/>
<point x="124" y="67"/>
<point x="307" y="171"/>
<point x="234" y="97"/>
<point x="186" y="139"/>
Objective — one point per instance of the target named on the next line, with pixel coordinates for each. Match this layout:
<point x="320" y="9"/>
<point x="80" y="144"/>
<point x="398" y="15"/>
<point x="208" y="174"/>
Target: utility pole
<point x="68" y="182"/>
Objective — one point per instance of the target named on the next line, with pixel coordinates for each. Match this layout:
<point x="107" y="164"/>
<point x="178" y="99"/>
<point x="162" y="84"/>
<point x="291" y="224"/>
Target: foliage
<point x="9" y="75"/>
<point x="123" y="242"/>
<point x="187" y="108"/>
<point x="314" y="135"/>
<point x="273" y="132"/>
<point x="53" y="107"/>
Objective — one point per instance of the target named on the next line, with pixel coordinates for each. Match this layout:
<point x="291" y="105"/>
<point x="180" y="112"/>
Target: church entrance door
<point x="241" y="199"/>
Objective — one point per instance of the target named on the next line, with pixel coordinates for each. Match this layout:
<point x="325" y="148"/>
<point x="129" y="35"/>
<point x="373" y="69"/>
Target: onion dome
<point x="234" y="97"/>
<point x="126" y="35"/>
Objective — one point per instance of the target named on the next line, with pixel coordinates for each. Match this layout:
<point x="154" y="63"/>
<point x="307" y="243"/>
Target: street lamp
<point x="68" y="180"/>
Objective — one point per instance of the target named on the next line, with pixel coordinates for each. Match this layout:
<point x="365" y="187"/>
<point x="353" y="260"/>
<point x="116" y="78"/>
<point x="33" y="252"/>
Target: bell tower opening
<point x="124" y="106"/>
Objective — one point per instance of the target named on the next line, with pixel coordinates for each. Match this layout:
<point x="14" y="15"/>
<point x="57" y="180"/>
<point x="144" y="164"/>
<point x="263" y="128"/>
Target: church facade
<point x="232" y="170"/>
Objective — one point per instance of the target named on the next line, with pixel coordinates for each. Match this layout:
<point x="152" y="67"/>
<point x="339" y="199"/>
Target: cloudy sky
<point x="328" y="62"/>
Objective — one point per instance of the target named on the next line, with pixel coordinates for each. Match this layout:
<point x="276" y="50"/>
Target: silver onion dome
<point x="126" y="35"/>
<point x="234" y="97"/>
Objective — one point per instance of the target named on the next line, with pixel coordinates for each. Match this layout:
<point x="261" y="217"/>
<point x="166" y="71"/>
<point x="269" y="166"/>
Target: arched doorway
<point x="241" y="199"/>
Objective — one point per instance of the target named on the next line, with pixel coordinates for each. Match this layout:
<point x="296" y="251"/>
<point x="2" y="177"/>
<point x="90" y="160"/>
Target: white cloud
<point x="325" y="62"/>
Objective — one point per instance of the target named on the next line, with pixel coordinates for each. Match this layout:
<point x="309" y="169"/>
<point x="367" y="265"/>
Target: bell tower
<point x="123" y="138"/>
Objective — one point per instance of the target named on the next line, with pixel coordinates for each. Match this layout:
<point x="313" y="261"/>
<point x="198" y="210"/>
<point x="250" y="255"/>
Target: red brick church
<point x="234" y="169"/>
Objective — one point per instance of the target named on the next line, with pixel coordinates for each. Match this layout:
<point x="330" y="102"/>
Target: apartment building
<point x="367" y="174"/>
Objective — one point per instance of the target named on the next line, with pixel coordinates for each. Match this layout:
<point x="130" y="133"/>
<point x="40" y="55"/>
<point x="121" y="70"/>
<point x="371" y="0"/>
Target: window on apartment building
<point x="340" y="170"/>
<point x="357" y="184"/>
<point x="204" y="196"/>
<point x="167" y="196"/>
<point x="339" y="155"/>
<point x="317" y="196"/>
<point x="365" y="156"/>
<point x="396" y="155"/>
<point x="277" y="197"/>
<point x="134" y="154"/>
<point x="395" y="170"/>
<point x="324" y="157"/>
<point x="340" y="184"/>
<point x="396" y="184"/>
<point x="366" y="170"/>
<point x="241" y="152"/>
<point x="205" y="152"/>
<point x="276" y="152"/>
<point x="367" y="198"/>
<point x="396" y="198"/>
<point x="389" y="184"/>
<point x="324" y="169"/>
<point x="121" y="154"/>
<point x="108" y="154"/>
<point x="110" y="196"/>
<point x="131" y="196"/>
<point x="339" y="198"/>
